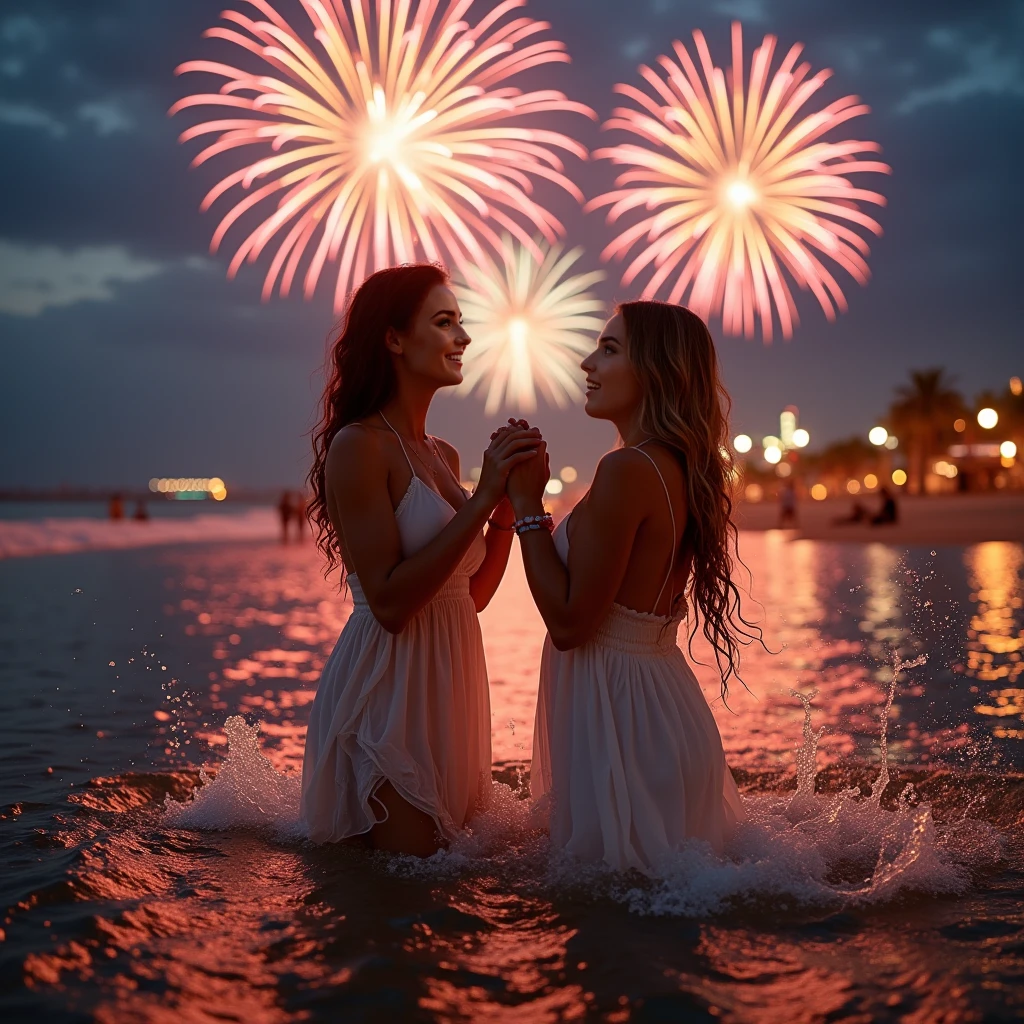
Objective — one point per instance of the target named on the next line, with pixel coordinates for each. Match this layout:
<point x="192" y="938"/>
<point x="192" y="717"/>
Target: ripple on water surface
<point x="825" y="907"/>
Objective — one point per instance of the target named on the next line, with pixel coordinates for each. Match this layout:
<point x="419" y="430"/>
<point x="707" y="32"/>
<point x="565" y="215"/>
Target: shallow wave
<point x="20" y="539"/>
<point x="828" y="843"/>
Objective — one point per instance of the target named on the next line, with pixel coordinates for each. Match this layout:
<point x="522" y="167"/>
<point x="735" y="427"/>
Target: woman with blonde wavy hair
<point x="627" y="759"/>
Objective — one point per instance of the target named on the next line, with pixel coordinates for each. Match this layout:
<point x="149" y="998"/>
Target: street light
<point x="801" y="438"/>
<point x="1008" y="450"/>
<point x="773" y="454"/>
<point x="878" y="436"/>
<point x="987" y="418"/>
<point x="742" y="443"/>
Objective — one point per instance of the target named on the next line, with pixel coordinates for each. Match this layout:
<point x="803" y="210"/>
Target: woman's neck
<point x="631" y="432"/>
<point x="407" y="412"/>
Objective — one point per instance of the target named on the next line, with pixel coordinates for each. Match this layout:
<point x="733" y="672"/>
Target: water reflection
<point x="120" y="917"/>
<point x="995" y="638"/>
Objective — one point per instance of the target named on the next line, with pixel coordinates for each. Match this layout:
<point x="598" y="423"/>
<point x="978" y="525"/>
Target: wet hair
<point x="685" y="406"/>
<point x="360" y="373"/>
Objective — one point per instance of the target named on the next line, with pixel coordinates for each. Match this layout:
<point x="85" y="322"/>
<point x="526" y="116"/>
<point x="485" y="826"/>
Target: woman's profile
<point x="628" y="761"/>
<point x="399" y="740"/>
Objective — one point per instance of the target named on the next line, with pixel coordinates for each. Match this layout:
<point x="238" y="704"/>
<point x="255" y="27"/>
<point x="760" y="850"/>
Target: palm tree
<point x="922" y="417"/>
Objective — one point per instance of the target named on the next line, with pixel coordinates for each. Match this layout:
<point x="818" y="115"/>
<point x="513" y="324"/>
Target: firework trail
<point x="394" y="136"/>
<point x="530" y="324"/>
<point x="738" y="186"/>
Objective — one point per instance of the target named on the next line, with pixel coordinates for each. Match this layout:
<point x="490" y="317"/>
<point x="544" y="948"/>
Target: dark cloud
<point x="198" y="368"/>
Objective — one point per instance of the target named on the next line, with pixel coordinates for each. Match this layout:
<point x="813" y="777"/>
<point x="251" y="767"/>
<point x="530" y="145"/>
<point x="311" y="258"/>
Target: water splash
<point x="246" y="792"/>
<point x="797" y="848"/>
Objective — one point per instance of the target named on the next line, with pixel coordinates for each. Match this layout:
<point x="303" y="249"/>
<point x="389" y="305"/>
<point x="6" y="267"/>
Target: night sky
<point x="127" y="354"/>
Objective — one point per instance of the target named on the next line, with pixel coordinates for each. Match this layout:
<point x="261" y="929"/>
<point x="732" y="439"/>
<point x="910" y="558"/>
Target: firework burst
<point x="530" y="324"/>
<point x="395" y="136"/>
<point x="739" y="186"/>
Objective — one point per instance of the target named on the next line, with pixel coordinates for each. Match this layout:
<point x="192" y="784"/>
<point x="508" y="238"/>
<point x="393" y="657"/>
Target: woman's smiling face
<point x="434" y="343"/>
<point x="613" y="390"/>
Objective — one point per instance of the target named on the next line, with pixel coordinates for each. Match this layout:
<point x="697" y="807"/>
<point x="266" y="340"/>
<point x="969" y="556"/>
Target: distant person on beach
<point x="888" y="513"/>
<point x="141" y="514"/>
<point x="628" y="763"/>
<point x="398" y="747"/>
<point x="115" y="509"/>
<point x="284" y="511"/>
<point x="787" y="505"/>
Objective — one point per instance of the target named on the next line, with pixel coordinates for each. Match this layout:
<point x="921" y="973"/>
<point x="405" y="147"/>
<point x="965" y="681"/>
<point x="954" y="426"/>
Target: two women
<point x="628" y="762"/>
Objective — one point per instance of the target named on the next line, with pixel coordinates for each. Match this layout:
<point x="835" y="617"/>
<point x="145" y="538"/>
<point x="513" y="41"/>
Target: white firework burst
<point x="531" y="324"/>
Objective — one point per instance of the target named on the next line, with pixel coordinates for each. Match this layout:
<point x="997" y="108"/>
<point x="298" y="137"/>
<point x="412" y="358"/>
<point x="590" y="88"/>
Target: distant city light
<point x="819" y="492"/>
<point x="742" y="443"/>
<point x="753" y="492"/>
<point x="553" y="486"/>
<point x="191" y="486"/>
<point x="773" y="454"/>
<point x="783" y="469"/>
<point x="871" y="481"/>
<point x="987" y="418"/>
<point x="959" y="425"/>
<point x="771" y="441"/>
<point x="878" y="435"/>
<point x="946" y="469"/>
<point x="801" y="437"/>
<point x="569" y="474"/>
<point x="899" y="477"/>
<point x="1016" y="387"/>
<point x="853" y="486"/>
<point x="1008" y="450"/>
<point x="890" y="443"/>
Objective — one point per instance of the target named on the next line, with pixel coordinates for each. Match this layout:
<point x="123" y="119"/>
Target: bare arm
<point x="574" y="601"/>
<point x="484" y="582"/>
<point x="396" y="588"/>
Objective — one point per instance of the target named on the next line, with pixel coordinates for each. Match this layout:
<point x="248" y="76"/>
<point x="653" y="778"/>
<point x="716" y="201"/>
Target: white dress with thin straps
<point x="627" y="759"/>
<point x="410" y="708"/>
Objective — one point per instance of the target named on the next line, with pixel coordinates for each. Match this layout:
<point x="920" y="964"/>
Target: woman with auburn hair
<point x="627" y="759"/>
<point x="399" y="740"/>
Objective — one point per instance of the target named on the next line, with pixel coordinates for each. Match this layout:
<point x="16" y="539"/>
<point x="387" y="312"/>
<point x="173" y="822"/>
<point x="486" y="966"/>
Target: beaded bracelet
<point x="527" y="523"/>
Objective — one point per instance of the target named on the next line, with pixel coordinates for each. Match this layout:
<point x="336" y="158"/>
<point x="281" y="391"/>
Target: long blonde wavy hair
<point x="686" y="407"/>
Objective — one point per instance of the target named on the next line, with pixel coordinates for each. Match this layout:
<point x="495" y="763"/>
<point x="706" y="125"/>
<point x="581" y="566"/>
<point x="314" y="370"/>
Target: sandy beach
<point x="936" y="519"/>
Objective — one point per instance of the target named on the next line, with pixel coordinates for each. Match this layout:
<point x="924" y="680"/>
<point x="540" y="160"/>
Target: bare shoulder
<point x="354" y="448"/>
<point x="450" y="452"/>
<point x="623" y="467"/>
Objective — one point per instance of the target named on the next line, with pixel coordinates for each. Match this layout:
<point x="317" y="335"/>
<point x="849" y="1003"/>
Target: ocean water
<point x="153" y="703"/>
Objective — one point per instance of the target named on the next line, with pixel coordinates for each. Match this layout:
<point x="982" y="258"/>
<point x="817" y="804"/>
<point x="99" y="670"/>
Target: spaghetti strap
<point x="672" y="515"/>
<point x="412" y="468"/>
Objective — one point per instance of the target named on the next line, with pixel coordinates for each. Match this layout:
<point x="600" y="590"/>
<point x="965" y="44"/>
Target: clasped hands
<point x="517" y="459"/>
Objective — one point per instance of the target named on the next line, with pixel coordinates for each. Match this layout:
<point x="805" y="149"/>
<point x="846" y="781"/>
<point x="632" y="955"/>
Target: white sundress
<point x="411" y="708"/>
<point x="627" y="758"/>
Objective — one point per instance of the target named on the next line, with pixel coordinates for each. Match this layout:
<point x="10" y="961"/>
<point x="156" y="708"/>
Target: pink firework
<point x="738" y="185"/>
<point x="392" y="135"/>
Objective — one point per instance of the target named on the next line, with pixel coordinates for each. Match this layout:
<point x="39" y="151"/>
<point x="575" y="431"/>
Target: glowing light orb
<point x="878" y="435"/>
<point x="739" y="192"/>
<point x="987" y="418"/>
<point x="819" y="492"/>
<point x="742" y="443"/>
<point x="569" y="474"/>
<point x="395" y="135"/>
<point x="801" y="437"/>
<point x="1008" y="450"/>
<point x="553" y="486"/>
<point x="773" y="454"/>
<point x="899" y="477"/>
<point x="531" y="324"/>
